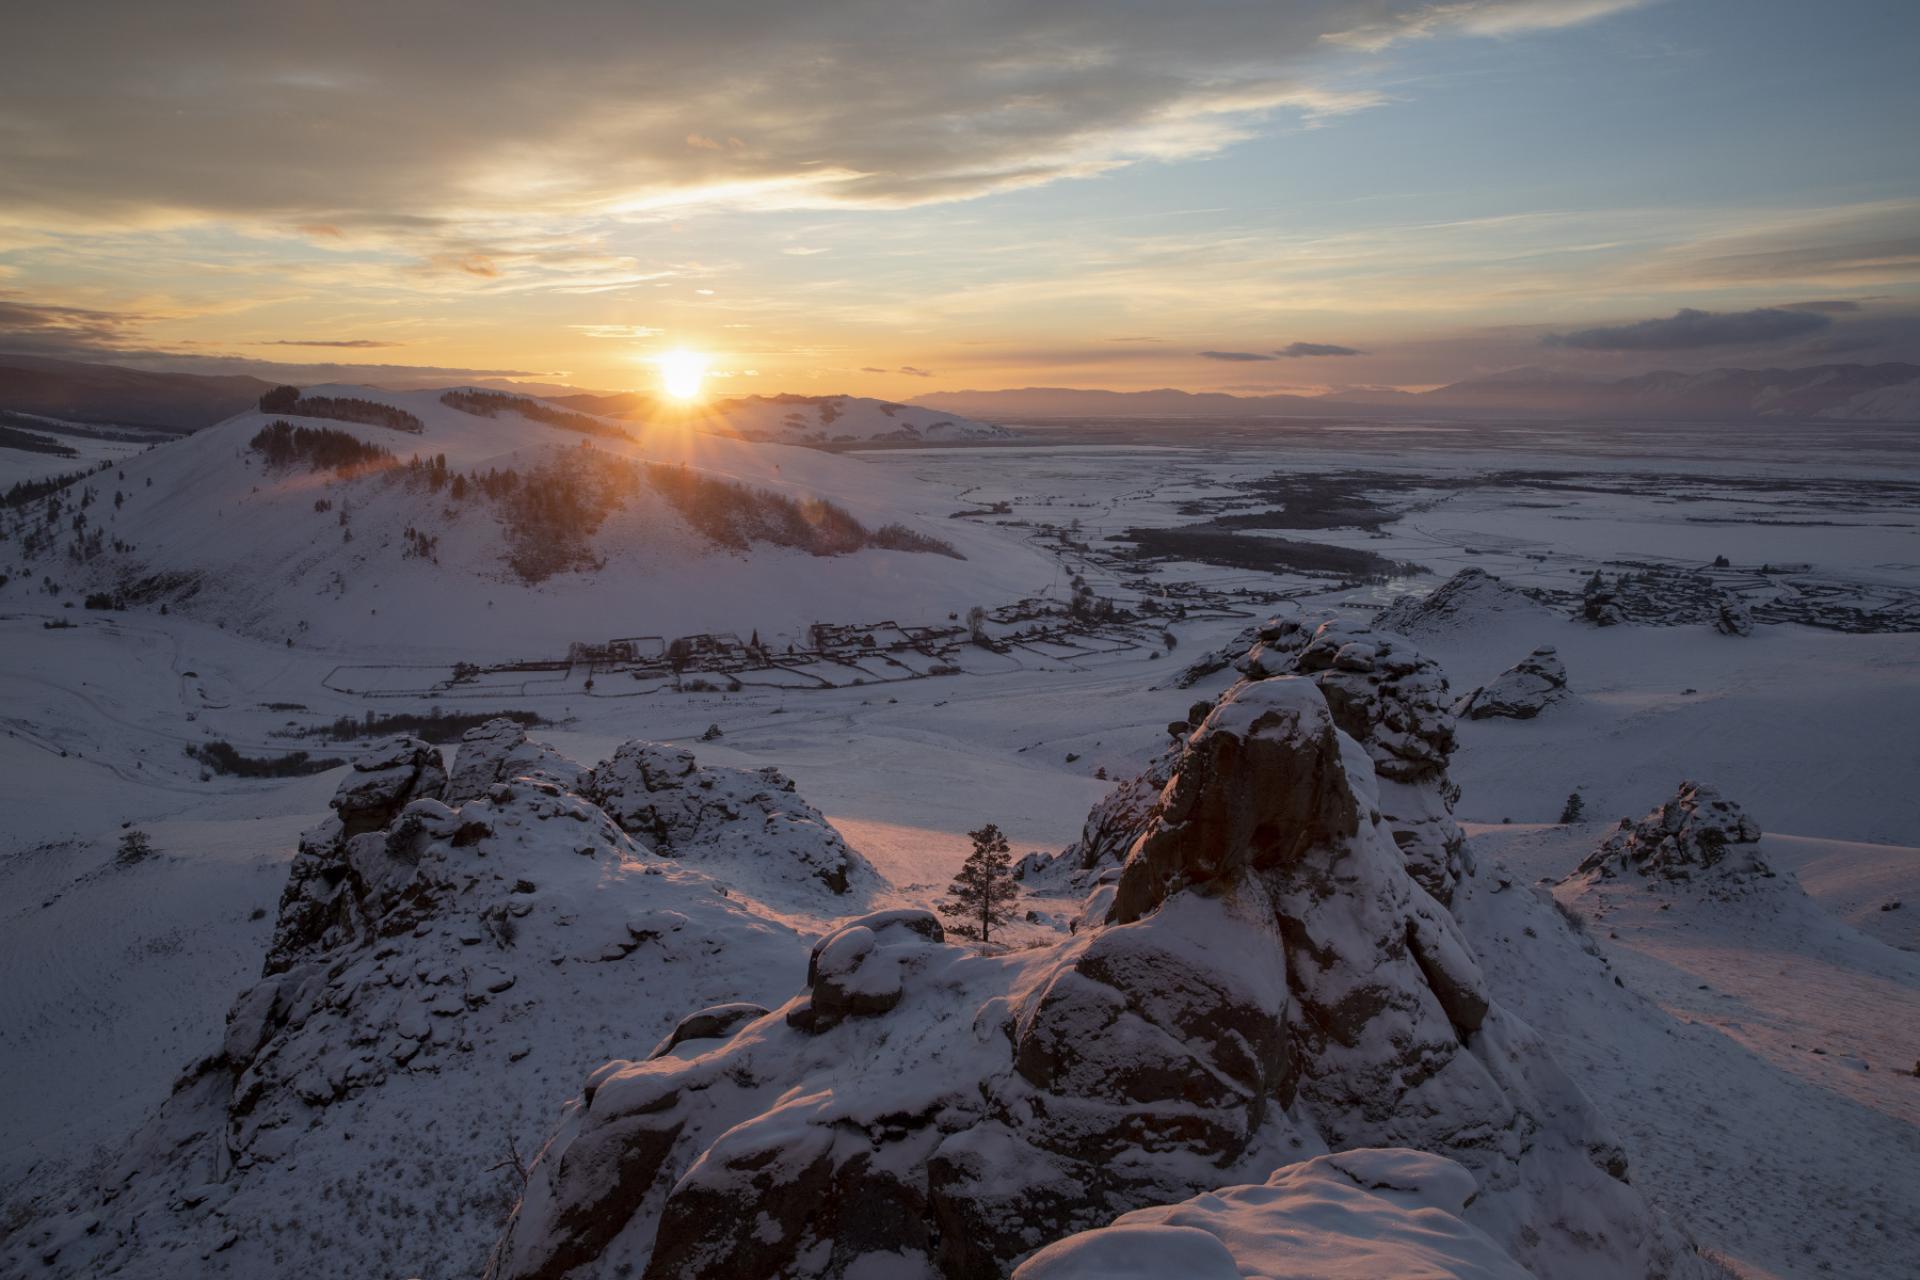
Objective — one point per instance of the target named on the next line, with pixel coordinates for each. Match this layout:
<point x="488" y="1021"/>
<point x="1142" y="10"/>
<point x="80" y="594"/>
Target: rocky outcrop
<point x="1521" y="692"/>
<point x="499" y="750"/>
<point x="1267" y="977"/>
<point x="1731" y="617"/>
<point x="1696" y="835"/>
<point x="748" y="821"/>
<point x="321" y="904"/>
<point x="432" y="979"/>
<point x="1461" y="603"/>
<point x="1600" y="603"/>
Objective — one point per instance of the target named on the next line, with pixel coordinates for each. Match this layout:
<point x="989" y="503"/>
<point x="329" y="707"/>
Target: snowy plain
<point x="1733" y="1023"/>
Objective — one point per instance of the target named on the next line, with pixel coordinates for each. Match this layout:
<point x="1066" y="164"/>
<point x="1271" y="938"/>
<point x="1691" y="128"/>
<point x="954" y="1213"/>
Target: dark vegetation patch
<point x="1207" y="545"/>
<point x="33" y="442"/>
<point x="434" y="725"/>
<point x="370" y="413"/>
<point x="551" y="514"/>
<point x="222" y="758"/>
<point x="1330" y="500"/>
<point x="23" y="492"/>
<point x="284" y="445"/>
<point x="491" y="404"/>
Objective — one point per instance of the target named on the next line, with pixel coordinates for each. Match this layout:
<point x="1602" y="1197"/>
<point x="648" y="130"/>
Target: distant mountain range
<point x="104" y="393"/>
<point x="1878" y="392"/>
<point x="101" y="393"/>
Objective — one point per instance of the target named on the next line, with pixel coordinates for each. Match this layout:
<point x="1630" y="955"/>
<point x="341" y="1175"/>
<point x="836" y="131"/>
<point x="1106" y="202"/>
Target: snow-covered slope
<point x="593" y="542"/>
<point x="1900" y="403"/>
<point x="816" y="420"/>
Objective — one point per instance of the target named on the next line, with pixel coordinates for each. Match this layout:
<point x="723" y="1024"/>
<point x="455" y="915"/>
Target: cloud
<point x="1689" y="329"/>
<point x="1295" y="350"/>
<point x="325" y="342"/>
<point x="912" y="372"/>
<point x="1236" y="355"/>
<point x="1476" y="17"/>
<point x="44" y="329"/>
<point x="623" y="332"/>
<point x="867" y="368"/>
<point x="638" y="110"/>
<point x="1835" y="306"/>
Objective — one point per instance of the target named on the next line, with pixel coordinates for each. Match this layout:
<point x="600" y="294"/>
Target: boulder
<point x="1695" y="835"/>
<point x="1521" y="692"/>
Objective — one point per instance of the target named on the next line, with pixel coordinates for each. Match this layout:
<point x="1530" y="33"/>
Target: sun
<point x="681" y="373"/>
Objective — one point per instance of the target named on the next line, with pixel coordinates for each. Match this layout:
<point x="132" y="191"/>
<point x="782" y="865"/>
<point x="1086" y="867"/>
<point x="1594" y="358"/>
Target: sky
<point x="891" y="197"/>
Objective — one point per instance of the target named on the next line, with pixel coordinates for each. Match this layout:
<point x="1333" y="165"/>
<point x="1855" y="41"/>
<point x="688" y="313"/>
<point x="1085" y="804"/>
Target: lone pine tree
<point x="981" y="895"/>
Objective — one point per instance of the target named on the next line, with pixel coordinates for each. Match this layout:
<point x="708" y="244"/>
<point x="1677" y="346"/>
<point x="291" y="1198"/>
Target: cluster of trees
<point x="897" y="537"/>
<point x="491" y="404"/>
<point x="24" y="492"/>
<point x="222" y="757"/>
<point x="735" y="515"/>
<point x="435" y="725"/>
<point x="317" y="448"/>
<point x="370" y="413"/>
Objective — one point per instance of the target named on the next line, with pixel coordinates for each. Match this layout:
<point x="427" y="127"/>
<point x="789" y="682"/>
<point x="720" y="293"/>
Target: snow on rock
<point x="1731" y="617"/>
<point x="1268" y="981"/>
<point x="716" y="816"/>
<point x="1697" y="833"/>
<point x="817" y="420"/>
<point x="1464" y="602"/>
<point x="439" y="971"/>
<point x="500" y="750"/>
<point x="1360" y="1214"/>
<point x="1384" y="693"/>
<point x="1521" y="692"/>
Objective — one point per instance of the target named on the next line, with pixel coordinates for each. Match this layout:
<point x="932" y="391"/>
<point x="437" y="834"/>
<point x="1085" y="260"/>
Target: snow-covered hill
<point x="492" y="535"/>
<point x="819" y="420"/>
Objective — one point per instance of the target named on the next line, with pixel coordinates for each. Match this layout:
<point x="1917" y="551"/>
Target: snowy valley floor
<point x="1757" y="1054"/>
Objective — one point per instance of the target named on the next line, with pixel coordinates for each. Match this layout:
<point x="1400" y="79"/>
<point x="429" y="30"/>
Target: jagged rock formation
<point x="1521" y="692"/>
<point x="1374" y="1212"/>
<point x="1462" y="602"/>
<point x="1600" y="603"/>
<point x="440" y="972"/>
<point x="1697" y="834"/>
<point x="1234" y="652"/>
<point x="499" y="750"/>
<point x="1731" y="617"/>
<point x="719" y="817"/>
<point x="1267" y="980"/>
<point x="1384" y="693"/>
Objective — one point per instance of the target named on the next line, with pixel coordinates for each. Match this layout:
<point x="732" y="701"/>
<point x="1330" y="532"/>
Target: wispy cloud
<point x="1299" y="350"/>
<point x="1237" y="356"/>
<point x="363" y="343"/>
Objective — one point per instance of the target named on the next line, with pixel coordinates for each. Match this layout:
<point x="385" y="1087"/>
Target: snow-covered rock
<point x="1697" y="834"/>
<point x="1373" y="1213"/>
<point x="1521" y="692"/>
<point x="499" y="750"/>
<point x="1267" y="982"/>
<point x="1464" y="602"/>
<point x="1731" y="617"/>
<point x="433" y="985"/>
<point x="750" y="820"/>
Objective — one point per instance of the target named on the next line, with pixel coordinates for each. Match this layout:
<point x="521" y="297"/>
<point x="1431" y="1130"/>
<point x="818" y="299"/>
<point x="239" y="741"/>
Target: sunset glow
<point x="682" y="374"/>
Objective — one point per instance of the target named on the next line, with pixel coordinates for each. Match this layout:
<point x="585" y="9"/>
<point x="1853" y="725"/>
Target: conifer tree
<point x="982" y="894"/>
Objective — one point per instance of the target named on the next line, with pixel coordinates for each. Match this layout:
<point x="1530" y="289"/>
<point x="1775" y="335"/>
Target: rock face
<point x="1600" y="603"/>
<point x="321" y="904"/>
<point x="439" y="971"/>
<point x="1266" y="980"/>
<point x="1389" y="1212"/>
<point x="1461" y="603"/>
<point x="1695" y="835"/>
<point x="1731" y="617"/>
<point x="1383" y="692"/>
<point x="500" y="750"/>
<point x="748" y="819"/>
<point x="1521" y="692"/>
